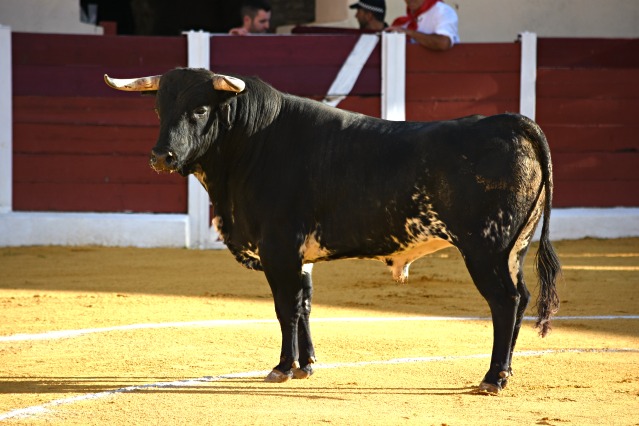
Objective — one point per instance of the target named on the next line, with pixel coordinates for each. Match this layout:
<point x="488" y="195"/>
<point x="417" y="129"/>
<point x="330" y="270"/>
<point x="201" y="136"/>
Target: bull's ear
<point x="142" y="84"/>
<point x="228" y="83"/>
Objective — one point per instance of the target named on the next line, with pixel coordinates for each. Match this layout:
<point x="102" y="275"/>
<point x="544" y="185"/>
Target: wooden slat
<point x="369" y="105"/>
<point x="592" y="138"/>
<point x="91" y="197"/>
<point x="588" y="83"/>
<point x="66" y="51"/>
<point x="78" y="167"/>
<point x="595" y="166"/>
<point x="465" y="57"/>
<point x="128" y="110"/>
<point x="39" y="138"/>
<point x="467" y="86"/>
<point x="431" y="111"/>
<point x="74" y="65"/>
<point x="587" y="111"/>
<point x="596" y="194"/>
<point x="587" y="53"/>
<point x="75" y="81"/>
<point x="300" y="50"/>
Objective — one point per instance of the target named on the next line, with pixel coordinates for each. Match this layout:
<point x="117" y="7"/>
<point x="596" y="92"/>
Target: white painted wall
<point x="502" y="20"/>
<point x="45" y="16"/>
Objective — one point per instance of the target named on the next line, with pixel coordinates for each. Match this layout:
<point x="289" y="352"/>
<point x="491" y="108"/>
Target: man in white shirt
<point x="431" y="23"/>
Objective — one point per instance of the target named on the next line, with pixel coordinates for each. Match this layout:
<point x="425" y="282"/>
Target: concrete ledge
<point x="576" y="223"/>
<point x="171" y="230"/>
<point x="102" y="229"/>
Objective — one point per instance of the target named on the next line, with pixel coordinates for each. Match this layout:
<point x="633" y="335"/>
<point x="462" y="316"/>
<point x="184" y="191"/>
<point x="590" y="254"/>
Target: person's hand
<point x="238" y="31"/>
<point x="396" y="29"/>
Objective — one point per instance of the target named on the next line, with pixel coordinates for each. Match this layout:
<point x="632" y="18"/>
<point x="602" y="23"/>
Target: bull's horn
<point x="228" y="83"/>
<point x="142" y="84"/>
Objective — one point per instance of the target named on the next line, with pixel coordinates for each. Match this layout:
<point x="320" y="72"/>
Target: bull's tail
<point x="546" y="261"/>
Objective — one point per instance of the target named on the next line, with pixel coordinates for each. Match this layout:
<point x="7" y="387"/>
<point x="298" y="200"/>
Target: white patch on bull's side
<point x="307" y="268"/>
<point x="498" y="228"/>
<point x="524" y="237"/>
<point x="311" y="249"/>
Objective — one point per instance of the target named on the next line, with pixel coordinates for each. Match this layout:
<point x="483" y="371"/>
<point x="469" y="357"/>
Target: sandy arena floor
<point x="169" y="336"/>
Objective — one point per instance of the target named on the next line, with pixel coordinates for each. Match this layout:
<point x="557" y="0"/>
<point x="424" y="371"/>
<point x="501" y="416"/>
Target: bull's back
<point x="454" y="177"/>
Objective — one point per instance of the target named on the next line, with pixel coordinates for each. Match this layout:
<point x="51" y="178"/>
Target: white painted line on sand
<point x="48" y="406"/>
<point x="65" y="334"/>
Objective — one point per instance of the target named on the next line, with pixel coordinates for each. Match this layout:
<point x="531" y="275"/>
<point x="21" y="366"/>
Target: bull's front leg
<point x="287" y="284"/>
<point x="305" y="343"/>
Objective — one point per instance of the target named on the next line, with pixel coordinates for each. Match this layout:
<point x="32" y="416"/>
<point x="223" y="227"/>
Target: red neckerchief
<point x="411" y="18"/>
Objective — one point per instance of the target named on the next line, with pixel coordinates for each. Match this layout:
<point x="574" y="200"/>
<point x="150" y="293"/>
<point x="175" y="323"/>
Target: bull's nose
<point x="162" y="161"/>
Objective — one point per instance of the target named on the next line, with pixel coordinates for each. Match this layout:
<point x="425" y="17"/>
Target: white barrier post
<point x="6" y="121"/>
<point x="394" y="76"/>
<point x="198" y="234"/>
<point x="528" y="75"/>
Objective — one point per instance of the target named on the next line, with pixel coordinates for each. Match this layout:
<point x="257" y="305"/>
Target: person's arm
<point x="430" y="41"/>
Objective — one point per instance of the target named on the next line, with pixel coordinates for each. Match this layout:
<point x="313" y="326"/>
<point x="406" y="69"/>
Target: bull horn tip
<point x="109" y="81"/>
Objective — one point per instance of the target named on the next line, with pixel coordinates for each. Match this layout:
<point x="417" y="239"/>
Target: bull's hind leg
<point x="524" y="297"/>
<point x="495" y="283"/>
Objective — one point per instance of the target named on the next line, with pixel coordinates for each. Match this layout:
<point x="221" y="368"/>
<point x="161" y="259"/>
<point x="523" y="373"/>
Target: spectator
<point x="431" y="23"/>
<point x="370" y="14"/>
<point x="256" y="18"/>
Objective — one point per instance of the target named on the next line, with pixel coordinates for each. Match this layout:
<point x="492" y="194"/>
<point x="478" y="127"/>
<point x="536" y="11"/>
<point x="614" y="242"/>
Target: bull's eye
<point x="200" y="112"/>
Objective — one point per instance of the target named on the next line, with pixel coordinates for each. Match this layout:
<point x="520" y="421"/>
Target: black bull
<point x="293" y="182"/>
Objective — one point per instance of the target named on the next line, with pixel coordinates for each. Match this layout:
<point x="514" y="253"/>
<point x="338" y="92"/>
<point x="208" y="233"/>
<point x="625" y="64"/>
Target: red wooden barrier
<point x="587" y="103"/>
<point x="80" y="146"/>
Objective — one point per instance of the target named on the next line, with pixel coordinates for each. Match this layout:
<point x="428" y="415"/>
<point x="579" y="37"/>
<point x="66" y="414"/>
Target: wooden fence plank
<point x="91" y="197"/>
<point x="469" y="57"/>
<point x="587" y="53"/>
<point x="592" y="138"/>
<point x="461" y="86"/>
<point x="596" y="194"/>
<point x="65" y="50"/>
<point x="587" y="83"/>
<point x="42" y="138"/>
<point x="446" y="110"/>
<point x="596" y="166"/>
<point x="587" y="111"/>
<point x="80" y="167"/>
<point x="129" y="110"/>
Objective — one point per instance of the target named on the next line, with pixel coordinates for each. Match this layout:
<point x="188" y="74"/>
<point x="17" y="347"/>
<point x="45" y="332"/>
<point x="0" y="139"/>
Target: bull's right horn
<point x="142" y="84"/>
<point x="228" y="83"/>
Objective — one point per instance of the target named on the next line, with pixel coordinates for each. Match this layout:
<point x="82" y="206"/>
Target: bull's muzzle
<point x="162" y="161"/>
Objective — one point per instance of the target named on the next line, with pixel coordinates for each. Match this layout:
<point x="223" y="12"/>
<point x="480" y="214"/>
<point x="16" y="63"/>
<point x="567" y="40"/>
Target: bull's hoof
<point x="277" y="376"/>
<point x="486" y="387"/>
<point x="489" y="388"/>
<point x="303" y="373"/>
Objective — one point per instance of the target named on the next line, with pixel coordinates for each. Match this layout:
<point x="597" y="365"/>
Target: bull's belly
<point x="397" y="261"/>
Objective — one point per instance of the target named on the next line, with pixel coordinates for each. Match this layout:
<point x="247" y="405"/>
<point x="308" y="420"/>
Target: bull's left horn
<point x="228" y="83"/>
<point x="142" y="84"/>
